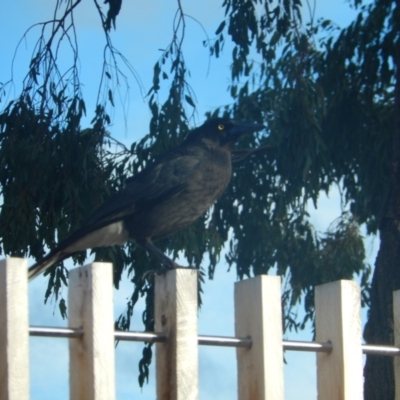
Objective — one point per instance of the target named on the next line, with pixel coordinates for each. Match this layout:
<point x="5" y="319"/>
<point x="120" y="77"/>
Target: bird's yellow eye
<point x="221" y="127"/>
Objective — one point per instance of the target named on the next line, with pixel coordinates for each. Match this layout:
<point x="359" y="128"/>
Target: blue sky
<point x="142" y="29"/>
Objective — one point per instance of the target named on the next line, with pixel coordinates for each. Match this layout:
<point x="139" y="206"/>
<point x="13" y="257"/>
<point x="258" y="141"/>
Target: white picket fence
<point x="258" y="330"/>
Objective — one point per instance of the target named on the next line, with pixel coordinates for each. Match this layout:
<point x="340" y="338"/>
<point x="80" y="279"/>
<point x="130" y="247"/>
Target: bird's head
<point x="222" y="132"/>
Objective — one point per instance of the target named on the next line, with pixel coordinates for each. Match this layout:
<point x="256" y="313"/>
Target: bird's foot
<point x="164" y="268"/>
<point x="150" y="273"/>
<point x="168" y="265"/>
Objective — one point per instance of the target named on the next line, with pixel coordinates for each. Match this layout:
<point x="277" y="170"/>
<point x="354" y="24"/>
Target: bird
<point x="161" y="199"/>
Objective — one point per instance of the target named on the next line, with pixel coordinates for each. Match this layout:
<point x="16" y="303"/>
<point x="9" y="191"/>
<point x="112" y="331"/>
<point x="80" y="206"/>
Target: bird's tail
<point x="45" y="263"/>
<point x="85" y="238"/>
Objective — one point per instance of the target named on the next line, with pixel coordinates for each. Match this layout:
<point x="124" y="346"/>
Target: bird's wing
<point x="154" y="185"/>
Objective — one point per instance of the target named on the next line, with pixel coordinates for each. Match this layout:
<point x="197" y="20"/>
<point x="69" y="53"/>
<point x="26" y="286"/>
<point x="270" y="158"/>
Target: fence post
<point x="176" y="315"/>
<point x="338" y="319"/>
<point x="14" y="340"/>
<point x="92" y="357"/>
<point x="258" y="313"/>
<point x="396" y="361"/>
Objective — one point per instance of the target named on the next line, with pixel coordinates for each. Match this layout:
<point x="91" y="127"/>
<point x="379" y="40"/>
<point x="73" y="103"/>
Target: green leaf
<point x="63" y="309"/>
<point x="110" y="97"/>
<point x="220" y="28"/>
<point x="190" y="101"/>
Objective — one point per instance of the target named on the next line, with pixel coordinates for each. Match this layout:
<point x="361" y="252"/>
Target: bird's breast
<point x="210" y="180"/>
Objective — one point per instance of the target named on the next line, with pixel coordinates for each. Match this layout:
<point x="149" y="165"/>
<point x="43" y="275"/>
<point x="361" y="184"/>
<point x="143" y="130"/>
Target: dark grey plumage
<point x="165" y="197"/>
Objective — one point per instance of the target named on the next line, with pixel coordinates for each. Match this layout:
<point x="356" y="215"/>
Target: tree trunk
<point x="378" y="370"/>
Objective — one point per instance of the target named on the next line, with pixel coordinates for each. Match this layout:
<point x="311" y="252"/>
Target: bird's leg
<point x="165" y="261"/>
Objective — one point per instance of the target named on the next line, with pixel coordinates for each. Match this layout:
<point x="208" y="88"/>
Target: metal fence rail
<point x="206" y="340"/>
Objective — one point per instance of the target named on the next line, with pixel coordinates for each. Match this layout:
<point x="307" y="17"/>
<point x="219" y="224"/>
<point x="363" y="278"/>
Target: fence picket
<point x="176" y="315"/>
<point x="92" y="357"/>
<point x="14" y="340"/>
<point x="338" y="319"/>
<point x="258" y="314"/>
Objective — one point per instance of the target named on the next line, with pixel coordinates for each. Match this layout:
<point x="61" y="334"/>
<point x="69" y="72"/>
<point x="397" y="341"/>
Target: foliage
<point x="326" y="96"/>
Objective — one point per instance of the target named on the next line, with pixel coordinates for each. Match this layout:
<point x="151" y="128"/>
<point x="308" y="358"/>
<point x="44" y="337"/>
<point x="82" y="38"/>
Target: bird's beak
<point x="240" y="128"/>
